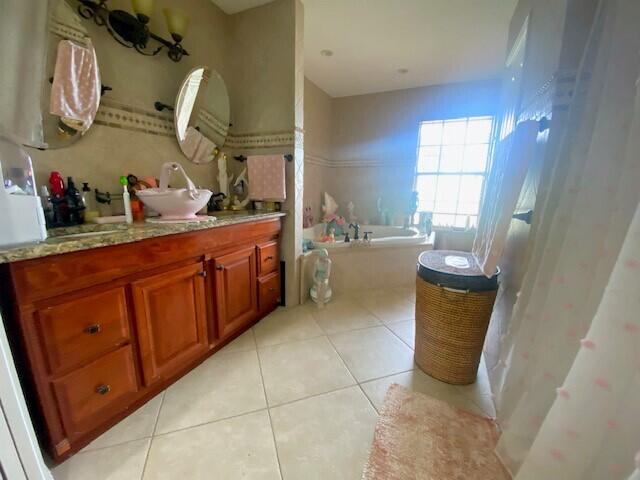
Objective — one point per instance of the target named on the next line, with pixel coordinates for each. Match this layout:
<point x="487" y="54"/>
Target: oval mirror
<point x="202" y="114"/>
<point x="72" y="87"/>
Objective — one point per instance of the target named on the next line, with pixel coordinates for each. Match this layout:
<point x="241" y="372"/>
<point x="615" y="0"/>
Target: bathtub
<point x="388" y="262"/>
<point x="381" y="235"/>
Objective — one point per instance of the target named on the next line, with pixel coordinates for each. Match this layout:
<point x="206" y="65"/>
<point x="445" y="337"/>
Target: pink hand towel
<point x="75" y="93"/>
<point x="266" y="178"/>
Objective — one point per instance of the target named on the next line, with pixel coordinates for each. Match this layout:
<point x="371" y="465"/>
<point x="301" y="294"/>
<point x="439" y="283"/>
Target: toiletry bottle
<point x="126" y="199"/>
<point x="47" y="206"/>
<point x="74" y="200"/>
<point x="58" y="200"/>
<point x="57" y="184"/>
<point x="90" y="203"/>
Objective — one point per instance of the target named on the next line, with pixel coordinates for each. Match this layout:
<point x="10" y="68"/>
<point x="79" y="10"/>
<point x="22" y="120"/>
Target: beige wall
<point x="262" y="61"/>
<point x="373" y="141"/>
<point x="318" y="109"/>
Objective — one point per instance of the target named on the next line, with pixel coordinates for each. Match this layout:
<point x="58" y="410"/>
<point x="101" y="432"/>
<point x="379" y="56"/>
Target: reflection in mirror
<point x="72" y="85"/>
<point x="202" y="114"/>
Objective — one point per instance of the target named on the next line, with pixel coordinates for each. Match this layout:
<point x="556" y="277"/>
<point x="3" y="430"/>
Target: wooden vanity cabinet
<point x="97" y="333"/>
<point x="171" y="320"/>
<point x="235" y="291"/>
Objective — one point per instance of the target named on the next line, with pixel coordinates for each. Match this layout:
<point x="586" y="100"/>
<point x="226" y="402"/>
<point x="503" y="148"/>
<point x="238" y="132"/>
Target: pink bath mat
<point x="419" y="437"/>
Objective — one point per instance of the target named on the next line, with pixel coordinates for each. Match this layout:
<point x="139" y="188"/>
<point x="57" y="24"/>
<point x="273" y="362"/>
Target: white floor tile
<point x="387" y="305"/>
<point x="343" y="314"/>
<point x="406" y="330"/>
<point x="138" y="425"/>
<point x="121" y="462"/>
<point x="236" y="448"/>
<point x="407" y="292"/>
<point x="373" y="353"/>
<point x="285" y="325"/>
<point x="223" y="386"/>
<point x="300" y="369"/>
<point x="415" y="380"/>
<point x="241" y="344"/>
<point x="324" y="437"/>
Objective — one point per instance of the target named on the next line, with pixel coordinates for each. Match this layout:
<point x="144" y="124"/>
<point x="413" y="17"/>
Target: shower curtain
<point x="568" y="376"/>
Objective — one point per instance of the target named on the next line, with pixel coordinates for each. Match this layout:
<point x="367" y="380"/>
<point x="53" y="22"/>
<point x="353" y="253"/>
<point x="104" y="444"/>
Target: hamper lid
<point x="453" y="269"/>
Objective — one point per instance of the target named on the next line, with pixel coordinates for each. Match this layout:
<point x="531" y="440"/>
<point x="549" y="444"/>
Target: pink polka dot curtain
<point x="567" y="382"/>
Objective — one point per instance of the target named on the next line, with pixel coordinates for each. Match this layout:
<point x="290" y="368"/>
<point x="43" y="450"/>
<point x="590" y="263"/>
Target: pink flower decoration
<point x="572" y="332"/>
<point x="615" y="468"/>
<point x="559" y="280"/>
<point x="632" y="263"/>
<point x="549" y="376"/>
<point x="525" y="355"/>
<point x="563" y="392"/>
<point x="557" y="455"/>
<point x="603" y="383"/>
<point x="612" y="424"/>
<point x="631" y="327"/>
<point x="568" y="306"/>
<point x="586" y="343"/>
<point x="583" y="265"/>
<point x="572" y="434"/>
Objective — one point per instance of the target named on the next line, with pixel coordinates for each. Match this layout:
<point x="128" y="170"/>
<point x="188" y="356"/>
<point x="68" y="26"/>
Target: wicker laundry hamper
<point x="454" y="300"/>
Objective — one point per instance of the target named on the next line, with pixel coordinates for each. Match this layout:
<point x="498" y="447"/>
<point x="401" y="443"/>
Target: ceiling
<point x="234" y="6"/>
<point x="437" y="41"/>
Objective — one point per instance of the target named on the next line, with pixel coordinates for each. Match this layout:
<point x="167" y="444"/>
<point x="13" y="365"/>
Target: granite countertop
<point x="91" y="235"/>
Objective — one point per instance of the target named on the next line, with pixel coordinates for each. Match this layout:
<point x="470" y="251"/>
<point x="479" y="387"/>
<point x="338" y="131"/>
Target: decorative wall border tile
<point x="250" y="141"/>
<point x="326" y="162"/>
<point x="117" y="115"/>
<point x="212" y="122"/>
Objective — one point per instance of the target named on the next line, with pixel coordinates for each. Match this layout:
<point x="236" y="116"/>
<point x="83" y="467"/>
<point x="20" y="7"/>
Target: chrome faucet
<point x="356" y="230"/>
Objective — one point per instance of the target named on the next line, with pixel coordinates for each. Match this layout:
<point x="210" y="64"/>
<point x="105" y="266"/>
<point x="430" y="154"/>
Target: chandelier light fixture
<point x="132" y="31"/>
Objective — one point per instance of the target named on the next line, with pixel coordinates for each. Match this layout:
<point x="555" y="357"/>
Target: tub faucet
<point x="356" y="230"/>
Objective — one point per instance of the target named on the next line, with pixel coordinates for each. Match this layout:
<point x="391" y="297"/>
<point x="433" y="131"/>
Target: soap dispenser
<point x="126" y="199"/>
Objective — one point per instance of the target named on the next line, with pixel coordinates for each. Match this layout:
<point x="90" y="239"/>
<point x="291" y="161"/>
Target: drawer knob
<point x="270" y="257"/>
<point x="220" y="267"/>
<point x="103" y="389"/>
<point x="93" y="329"/>
<point x="202" y="274"/>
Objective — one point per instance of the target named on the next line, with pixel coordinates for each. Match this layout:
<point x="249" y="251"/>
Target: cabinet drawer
<point x="268" y="293"/>
<point x="94" y="393"/>
<point x="268" y="259"/>
<point x="84" y="328"/>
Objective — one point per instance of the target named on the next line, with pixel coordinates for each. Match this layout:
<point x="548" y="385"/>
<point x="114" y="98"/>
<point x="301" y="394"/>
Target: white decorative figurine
<point x="351" y="208"/>
<point x="238" y="184"/>
<point x="329" y="208"/>
<point x="224" y="180"/>
<point x="321" y="291"/>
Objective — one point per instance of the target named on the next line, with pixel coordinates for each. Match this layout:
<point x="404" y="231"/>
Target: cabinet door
<point x="171" y="318"/>
<point x="236" y="296"/>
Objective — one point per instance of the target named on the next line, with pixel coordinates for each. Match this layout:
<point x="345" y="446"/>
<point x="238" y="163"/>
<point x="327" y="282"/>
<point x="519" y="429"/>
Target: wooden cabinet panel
<point x="268" y="293"/>
<point x="94" y="393"/>
<point x="235" y="289"/>
<point x="268" y="258"/>
<point x="83" y="328"/>
<point x="171" y="320"/>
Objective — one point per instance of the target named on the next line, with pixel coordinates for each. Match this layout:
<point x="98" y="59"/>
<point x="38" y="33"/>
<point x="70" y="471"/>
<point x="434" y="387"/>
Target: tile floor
<point x="295" y="397"/>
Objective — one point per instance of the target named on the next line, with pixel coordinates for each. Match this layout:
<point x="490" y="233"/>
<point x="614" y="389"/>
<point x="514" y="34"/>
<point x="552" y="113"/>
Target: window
<point x="451" y="168"/>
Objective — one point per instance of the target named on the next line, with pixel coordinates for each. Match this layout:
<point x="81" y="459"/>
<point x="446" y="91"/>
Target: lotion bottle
<point x="126" y="199"/>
